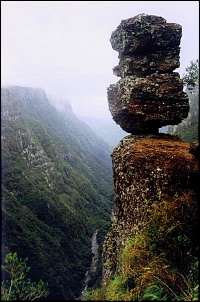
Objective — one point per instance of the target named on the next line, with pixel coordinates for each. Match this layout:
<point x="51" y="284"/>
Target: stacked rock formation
<point x="147" y="166"/>
<point x="149" y="95"/>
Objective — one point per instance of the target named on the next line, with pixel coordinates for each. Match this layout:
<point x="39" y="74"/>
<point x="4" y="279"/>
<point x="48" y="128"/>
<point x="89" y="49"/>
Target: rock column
<point x="149" y="95"/>
<point x="147" y="166"/>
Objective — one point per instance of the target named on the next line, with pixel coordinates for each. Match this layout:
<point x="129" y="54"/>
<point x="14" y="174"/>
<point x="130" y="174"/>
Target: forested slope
<point x="57" y="189"/>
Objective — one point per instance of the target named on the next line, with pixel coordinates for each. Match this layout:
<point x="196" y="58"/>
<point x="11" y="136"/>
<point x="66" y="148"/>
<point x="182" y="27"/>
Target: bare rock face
<point x="165" y="60"/>
<point x="144" y="104"/>
<point x="145" y="34"/>
<point x="149" y="95"/>
<point x="146" y="170"/>
<point x="148" y="166"/>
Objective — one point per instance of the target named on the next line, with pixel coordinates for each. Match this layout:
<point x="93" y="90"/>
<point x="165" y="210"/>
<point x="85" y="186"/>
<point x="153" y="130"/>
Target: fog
<point x="64" y="48"/>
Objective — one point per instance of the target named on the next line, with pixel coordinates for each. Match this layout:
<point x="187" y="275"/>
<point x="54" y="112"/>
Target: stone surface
<point x="145" y="34"/>
<point x="146" y="104"/>
<point x="160" y="61"/>
<point x="146" y="169"/>
<point x="149" y="95"/>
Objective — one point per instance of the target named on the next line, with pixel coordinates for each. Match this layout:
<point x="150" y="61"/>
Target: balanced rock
<point x="148" y="167"/>
<point x="144" y="104"/>
<point x="165" y="60"/>
<point x="149" y="95"/>
<point x="144" y="34"/>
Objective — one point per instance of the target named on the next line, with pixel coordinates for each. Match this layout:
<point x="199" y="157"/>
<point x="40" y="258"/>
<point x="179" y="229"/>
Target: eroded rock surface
<point x="145" y="34"/>
<point x="148" y="166"/>
<point x="144" y="104"/>
<point x="146" y="169"/>
<point x="149" y="95"/>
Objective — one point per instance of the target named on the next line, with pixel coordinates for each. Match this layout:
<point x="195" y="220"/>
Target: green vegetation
<point x="16" y="285"/>
<point x="191" y="78"/>
<point x="161" y="262"/>
<point x="188" y="129"/>
<point x="57" y="189"/>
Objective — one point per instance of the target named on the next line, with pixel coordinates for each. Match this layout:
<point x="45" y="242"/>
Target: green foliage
<point x="57" y="189"/>
<point x="16" y="285"/>
<point x="191" y="78"/>
<point x="188" y="129"/>
<point x="153" y="292"/>
<point x="160" y="262"/>
<point x="117" y="290"/>
<point x="95" y="295"/>
<point x="188" y="134"/>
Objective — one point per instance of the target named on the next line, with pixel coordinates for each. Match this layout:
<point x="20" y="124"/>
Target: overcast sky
<point x="64" y="48"/>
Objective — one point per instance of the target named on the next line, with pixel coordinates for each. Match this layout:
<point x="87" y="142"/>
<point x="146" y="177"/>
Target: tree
<point x="191" y="78"/>
<point x="15" y="284"/>
<point x="188" y="129"/>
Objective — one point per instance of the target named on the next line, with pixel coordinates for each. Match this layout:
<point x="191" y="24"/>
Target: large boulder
<point x="149" y="95"/>
<point x="144" y="104"/>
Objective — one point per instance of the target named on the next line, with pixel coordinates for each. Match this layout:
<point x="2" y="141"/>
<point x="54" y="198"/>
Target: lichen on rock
<point x="148" y="166"/>
<point x="149" y="95"/>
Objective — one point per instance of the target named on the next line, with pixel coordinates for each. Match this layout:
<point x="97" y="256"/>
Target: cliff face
<point x="148" y="167"/>
<point x="146" y="170"/>
<point x="149" y="95"/>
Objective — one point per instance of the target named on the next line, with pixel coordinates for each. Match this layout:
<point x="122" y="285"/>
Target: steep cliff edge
<point x="148" y="168"/>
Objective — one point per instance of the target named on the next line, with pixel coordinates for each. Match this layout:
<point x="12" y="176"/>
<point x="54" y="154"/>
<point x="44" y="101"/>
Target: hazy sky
<point x="64" y="48"/>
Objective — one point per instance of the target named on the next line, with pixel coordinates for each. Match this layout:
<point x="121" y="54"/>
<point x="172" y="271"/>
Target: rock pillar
<point x="147" y="166"/>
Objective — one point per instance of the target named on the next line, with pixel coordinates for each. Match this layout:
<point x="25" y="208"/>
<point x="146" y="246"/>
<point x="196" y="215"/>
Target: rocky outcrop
<point x="149" y="95"/>
<point x="145" y="104"/>
<point x="145" y="34"/>
<point x="148" y="166"/>
<point x="147" y="169"/>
